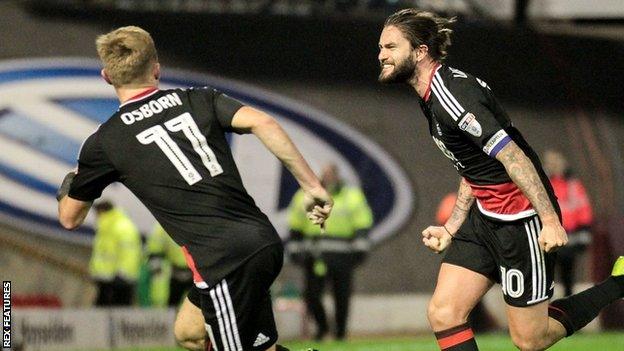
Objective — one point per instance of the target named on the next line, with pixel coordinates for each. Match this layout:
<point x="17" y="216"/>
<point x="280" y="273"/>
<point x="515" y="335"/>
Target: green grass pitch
<point x="487" y="342"/>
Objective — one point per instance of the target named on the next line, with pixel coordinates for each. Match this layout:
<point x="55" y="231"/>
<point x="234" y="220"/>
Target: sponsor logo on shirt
<point x="470" y="124"/>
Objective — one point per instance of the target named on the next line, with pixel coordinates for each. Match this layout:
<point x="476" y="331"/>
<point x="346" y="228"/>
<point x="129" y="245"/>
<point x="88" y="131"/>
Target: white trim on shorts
<point x="228" y="328"/>
<point x="538" y="262"/>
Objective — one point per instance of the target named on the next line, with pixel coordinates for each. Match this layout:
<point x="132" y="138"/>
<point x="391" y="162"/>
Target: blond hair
<point x="128" y="55"/>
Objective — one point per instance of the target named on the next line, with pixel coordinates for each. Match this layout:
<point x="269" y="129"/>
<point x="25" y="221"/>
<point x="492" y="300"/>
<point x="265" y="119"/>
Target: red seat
<point x="36" y="300"/>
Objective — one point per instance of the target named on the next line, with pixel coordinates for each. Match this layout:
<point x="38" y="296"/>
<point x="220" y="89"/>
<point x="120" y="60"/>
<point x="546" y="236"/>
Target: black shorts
<point x="507" y="253"/>
<point x="238" y="310"/>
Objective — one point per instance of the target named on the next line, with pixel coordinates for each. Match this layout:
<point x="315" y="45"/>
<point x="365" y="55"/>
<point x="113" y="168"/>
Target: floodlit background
<point x="555" y="65"/>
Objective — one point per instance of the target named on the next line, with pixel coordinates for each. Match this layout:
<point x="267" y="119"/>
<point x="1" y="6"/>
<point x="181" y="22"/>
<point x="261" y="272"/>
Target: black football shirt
<point x="169" y="147"/>
<point x="470" y="127"/>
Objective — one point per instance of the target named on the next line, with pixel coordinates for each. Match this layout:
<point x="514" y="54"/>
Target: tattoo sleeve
<point x="464" y="201"/>
<point x="523" y="173"/>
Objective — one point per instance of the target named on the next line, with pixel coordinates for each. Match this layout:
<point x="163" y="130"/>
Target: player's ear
<point x="156" y="71"/>
<point x="421" y="52"/>
<point x="105" y="76"/>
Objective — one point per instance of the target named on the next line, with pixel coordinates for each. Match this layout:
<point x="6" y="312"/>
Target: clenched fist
<point x="437" y="238"/>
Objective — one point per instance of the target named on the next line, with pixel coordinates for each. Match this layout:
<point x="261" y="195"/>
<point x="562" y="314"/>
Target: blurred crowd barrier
<point x="88" y="329"/>
<point x="108" y="328"/>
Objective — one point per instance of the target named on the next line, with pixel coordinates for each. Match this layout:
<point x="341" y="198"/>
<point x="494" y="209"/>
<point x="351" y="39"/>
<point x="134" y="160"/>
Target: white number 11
<point x="184" y="123"/>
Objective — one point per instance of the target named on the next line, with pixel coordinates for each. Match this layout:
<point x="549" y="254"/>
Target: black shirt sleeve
<point x="225" y="108"/>
<point x="95" y="172"/>
<point x="468" y="104"/>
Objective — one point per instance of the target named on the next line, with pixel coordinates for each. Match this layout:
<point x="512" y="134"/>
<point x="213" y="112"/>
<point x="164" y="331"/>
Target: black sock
<point x="459" y="338"/>
<point x="576" y="311"/>
<point x="281" y="348"/>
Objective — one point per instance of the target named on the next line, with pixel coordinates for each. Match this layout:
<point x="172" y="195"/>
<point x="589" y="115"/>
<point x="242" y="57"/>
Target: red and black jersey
<point x="470" y="127"/>
<point x="169" y="148"/>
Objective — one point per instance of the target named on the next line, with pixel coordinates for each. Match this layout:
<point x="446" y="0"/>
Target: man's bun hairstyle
<point x="424" y="28"/>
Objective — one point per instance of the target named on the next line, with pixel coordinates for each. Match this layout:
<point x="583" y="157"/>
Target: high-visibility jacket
<point x="576" y="210"/>
<point x="165" y="260"/>
<point x="116" y="248"/>
<point x="160" y="243"/>
<point x="350" y="214"/>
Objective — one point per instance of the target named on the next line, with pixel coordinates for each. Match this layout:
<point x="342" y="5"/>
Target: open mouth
<point x="386" y="66"/>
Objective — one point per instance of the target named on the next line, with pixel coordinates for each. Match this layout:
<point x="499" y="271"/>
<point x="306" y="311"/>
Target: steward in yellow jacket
<point x="334" y="255"/>
<point x="116" y="256"/>
<point x="166" y="258"/>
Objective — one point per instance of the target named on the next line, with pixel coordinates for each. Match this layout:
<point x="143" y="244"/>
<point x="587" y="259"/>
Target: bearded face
<point x="397" y="71"/>
<point x="396" y="56"/>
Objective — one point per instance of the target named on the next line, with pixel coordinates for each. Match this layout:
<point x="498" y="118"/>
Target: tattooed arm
<point x="464" y="201"/>
<point x="438" y="238"/>
<point x="524" y="175"/>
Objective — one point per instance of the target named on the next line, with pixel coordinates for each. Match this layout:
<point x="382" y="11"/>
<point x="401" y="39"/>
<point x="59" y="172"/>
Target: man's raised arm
<point x="264" y="127"/>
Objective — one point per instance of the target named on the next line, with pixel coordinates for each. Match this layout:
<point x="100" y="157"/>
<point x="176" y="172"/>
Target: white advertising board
<point x="49" y="329"/>
<point x="142" y="327"/>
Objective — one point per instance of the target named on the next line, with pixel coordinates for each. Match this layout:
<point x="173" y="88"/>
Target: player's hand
<point x="552" y="237"/>
<point x="318" y="205"/>
<point x="436" y="238"/>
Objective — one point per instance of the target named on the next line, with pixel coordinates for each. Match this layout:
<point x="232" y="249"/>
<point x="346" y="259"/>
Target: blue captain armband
<point x="496" y="143"/>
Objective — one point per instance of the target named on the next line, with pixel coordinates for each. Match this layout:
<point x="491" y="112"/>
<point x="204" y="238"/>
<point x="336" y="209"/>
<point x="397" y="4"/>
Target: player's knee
<point x="193" y="345"/>
<point x="179" y="334"/>
<point x="527" y="344"/>
<point x="446" y="315"/>
<point x="189" y="342"/>
<point x="187" y="338"/>
<point x="528" y="341"/>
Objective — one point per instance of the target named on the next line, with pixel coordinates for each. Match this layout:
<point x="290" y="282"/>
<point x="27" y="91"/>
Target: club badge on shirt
<point x="470" y="124"/>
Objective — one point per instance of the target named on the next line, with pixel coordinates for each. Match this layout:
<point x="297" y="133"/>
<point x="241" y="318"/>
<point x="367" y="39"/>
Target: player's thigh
<point x="460" y="287"/>
<point x="189" y="324"/>
<point x="457" y="292"/>
<point x="466" y="274"/>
